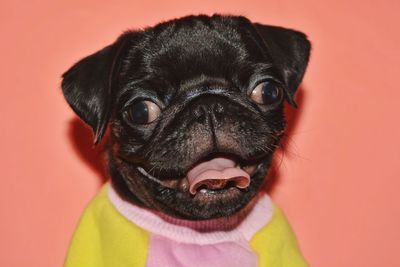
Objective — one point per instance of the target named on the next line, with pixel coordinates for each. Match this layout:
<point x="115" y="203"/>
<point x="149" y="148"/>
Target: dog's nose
<point x="200" y="113"/>
<point x="206" y="107"/>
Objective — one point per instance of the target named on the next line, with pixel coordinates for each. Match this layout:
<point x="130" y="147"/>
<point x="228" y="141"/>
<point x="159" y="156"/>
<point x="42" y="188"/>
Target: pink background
<point x="340" y="176"/>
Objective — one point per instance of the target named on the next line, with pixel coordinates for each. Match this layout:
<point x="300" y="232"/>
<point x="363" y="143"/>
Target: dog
<point x="194" y="110"/>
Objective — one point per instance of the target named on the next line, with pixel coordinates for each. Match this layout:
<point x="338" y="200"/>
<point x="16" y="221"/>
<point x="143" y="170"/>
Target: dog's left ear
<point x="290" y="51"/>
<point x="88" y="85"/>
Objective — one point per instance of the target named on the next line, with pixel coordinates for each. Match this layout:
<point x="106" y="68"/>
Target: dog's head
<point x="194" y="107"/>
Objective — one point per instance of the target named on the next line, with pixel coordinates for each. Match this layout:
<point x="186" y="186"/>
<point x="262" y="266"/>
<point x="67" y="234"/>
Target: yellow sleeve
<point x="104" y="238"/>
<point x="276" y="244"/>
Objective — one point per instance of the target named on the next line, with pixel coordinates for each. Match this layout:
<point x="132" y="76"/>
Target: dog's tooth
<point x="203" y="190"/>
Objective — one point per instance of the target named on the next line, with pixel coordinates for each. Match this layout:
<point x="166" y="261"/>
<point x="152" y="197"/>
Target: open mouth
<point x="214" y="175"/>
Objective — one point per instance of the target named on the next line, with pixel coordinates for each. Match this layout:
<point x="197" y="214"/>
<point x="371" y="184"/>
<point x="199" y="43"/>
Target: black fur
<point x="200" y="71"/>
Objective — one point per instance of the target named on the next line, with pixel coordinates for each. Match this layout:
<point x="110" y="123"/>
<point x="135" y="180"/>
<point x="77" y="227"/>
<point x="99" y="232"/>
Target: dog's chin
<point x="175" y="198"/>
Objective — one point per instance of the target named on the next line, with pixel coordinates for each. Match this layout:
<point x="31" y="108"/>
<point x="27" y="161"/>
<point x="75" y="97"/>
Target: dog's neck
<point x="211" y="225"/>
<point x="241" y="226"/>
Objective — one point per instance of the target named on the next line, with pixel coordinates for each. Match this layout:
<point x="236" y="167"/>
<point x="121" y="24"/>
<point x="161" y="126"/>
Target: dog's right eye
<point x="143" y="112"/>
<point x="266" y="93"/>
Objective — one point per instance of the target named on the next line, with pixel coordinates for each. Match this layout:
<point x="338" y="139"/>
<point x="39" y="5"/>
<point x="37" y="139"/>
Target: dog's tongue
<point x="215" y="174"/>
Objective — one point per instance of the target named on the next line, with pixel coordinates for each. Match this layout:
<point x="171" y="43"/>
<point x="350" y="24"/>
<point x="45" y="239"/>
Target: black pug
<point x="194" y="108"/>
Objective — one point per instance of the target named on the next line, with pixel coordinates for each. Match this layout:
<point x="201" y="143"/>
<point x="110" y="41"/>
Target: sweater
<point x="115" y="233"/>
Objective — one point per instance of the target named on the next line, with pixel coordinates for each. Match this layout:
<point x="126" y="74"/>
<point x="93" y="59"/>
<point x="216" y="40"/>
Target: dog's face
<point x="194" y="107"/>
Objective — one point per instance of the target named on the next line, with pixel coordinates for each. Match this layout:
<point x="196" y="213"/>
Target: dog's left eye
<point x="266" y="93"/>
<point x="143" y="112"/>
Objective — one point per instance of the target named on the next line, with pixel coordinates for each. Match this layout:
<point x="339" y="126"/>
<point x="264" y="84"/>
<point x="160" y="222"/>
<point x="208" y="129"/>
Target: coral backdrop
<point x="339" y="178"/>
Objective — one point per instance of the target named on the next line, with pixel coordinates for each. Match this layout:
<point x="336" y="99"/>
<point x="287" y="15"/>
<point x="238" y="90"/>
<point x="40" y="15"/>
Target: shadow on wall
<point x="81" y="139"/>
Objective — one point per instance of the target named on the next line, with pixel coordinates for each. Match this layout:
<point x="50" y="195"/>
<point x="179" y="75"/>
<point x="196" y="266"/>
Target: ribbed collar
<point x="239" y="227"/>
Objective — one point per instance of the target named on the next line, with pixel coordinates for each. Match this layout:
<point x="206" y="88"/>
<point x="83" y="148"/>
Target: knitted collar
<point x="242" y="226"/>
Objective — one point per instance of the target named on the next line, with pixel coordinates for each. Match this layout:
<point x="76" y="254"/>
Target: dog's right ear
<point x="290" y="50"/>
<point x="88" y="85"/>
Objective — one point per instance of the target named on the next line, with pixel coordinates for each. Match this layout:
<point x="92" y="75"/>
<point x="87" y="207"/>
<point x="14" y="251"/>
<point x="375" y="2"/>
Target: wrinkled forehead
<point x="191" y="50"/>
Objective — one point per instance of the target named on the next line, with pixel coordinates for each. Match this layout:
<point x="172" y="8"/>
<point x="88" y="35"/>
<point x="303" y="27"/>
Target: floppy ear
<point x="290" y="51"/>
<point x="88" y="85"/>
